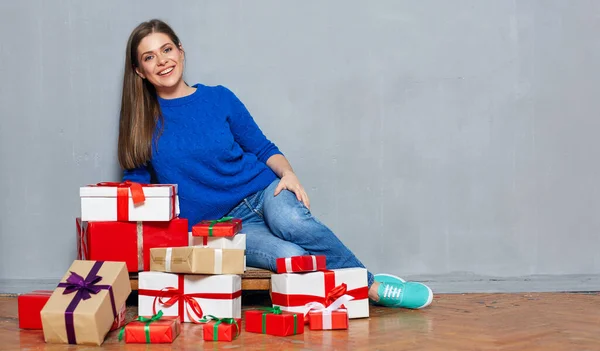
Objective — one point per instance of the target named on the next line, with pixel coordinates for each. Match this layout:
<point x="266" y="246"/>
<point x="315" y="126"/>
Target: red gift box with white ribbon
<point x="321" y="317"/>
<point x="296" y="264"/>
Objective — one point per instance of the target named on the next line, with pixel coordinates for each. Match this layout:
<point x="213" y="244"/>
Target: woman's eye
<point x="168" y="49"/>
<point x="148" y="58"/>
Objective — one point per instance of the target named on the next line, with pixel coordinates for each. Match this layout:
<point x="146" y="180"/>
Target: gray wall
<point x="438" y="139"/>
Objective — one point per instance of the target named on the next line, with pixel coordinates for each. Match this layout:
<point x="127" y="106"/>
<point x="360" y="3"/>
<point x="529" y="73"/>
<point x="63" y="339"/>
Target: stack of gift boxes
<point x="324" y="299"/>
<point x="195" y="282"/>
<point x="183" y="277"/>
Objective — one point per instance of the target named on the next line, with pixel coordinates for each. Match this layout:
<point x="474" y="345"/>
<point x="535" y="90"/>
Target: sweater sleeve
<point x="245" y="130"/>
<point x="138" y="175"/>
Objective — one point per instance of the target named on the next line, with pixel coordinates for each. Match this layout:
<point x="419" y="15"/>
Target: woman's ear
<point x="139" y="73"/>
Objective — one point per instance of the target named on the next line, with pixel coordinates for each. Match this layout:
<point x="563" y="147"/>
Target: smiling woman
<point x="161" y="63"/>
<point x="203" y="139"/>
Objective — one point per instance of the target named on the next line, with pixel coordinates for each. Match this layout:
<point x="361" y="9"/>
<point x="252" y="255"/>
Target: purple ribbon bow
<point x="82" y="289"/>
<point x="75" y="282"/>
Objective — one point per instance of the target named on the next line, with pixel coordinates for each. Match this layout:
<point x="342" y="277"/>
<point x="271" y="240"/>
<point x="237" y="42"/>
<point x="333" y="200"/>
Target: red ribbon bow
<point x="175" y="296"/>
<point x="137" y="190"/>
<point x="335" y="294"/>
<point x="137" y="195"/>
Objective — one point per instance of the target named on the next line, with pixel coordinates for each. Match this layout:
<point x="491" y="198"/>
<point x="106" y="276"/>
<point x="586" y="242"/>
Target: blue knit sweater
<point x="212" y="148"/>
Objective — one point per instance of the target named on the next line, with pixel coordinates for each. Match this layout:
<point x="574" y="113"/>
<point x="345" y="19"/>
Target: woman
<point x="203" y="139"/>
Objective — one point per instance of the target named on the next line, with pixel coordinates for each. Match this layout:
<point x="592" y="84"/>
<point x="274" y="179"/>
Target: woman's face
<point x="160" y="62"/>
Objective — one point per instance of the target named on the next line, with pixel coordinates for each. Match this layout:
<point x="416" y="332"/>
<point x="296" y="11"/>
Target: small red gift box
<point x="226" y="226"/>
<point x="273" y="321"/>
<point x="30" y="305"/>
<point x="308" y="263"/>
<point x="225" y="329"/>
<point x="325" y="320"/>
<point x="120" y="319"/>
<point x="128" y="242"/>
<point x="154" y="330"/>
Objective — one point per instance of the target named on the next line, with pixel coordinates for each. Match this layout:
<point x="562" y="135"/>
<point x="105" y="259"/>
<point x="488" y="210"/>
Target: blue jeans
<point x="281" y="226"/>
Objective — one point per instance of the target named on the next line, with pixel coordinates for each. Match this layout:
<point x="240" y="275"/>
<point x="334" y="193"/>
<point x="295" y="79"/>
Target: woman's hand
<point x="290" y="182"/>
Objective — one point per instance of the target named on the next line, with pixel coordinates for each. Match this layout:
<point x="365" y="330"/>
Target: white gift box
<point x="292" y="291"/>
<point x="237" y="241"/>
<point x="101" y="203"/>
<point x="217" y="295"/>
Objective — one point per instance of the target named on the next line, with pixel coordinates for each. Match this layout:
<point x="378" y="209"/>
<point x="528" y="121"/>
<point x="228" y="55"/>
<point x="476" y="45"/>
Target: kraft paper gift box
<point x="189" y="296"/>
<point x="151" y="330"/>
<point x="83" y="307"/>
<point x="226" y="226"/>
<point x="293" y="291"/>
<point x="274" y="322"/>
<point x="237" y="241"/>
<point x="297" y="264"/>
<point x="128" y="242"/>
<point x="221" y="329"/>
<point x="198" y="260"/>
<point x="30" y="306"/>
<point x="129" y="202"/>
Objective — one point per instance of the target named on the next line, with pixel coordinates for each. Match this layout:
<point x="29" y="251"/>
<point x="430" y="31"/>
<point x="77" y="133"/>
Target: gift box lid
<point x="150" y="190"/>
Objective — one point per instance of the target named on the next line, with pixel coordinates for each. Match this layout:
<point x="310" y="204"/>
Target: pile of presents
<point x="128" y="228"/>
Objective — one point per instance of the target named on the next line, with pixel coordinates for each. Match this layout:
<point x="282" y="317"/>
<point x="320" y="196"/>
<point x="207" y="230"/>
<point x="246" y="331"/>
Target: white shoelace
<point x="392" y="291"/>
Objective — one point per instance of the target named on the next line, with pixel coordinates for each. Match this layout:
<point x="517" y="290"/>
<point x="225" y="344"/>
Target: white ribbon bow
<point x="326" y="311"/>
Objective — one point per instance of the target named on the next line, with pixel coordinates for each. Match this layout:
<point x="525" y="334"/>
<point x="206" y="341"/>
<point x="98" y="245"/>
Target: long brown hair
<point x="140" y="111"/>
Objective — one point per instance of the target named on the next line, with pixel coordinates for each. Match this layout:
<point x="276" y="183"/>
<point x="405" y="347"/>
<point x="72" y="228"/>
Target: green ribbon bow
<point x="276" y="310"/>
<point x="146" y="327"/>
<point x="218" y="321"/>
<point x="213" y="222"/>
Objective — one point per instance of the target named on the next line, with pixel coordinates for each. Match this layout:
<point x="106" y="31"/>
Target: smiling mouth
<point x="166" y="71"/>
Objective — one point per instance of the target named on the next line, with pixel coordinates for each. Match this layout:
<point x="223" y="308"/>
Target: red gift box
<point x="326" y="320"/>
<point x="128" y="242"/>
<point x="273" y="321"/>
<point x="226" y="226"/>
<point x="308" y="263"/>
<point x="120" y="319"/>
<point x="154" y="330"/>
<point x="30" y="305"/>
<point x="225" y="329"/>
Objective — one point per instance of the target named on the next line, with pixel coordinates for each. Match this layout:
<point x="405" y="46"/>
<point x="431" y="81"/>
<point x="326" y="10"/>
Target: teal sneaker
<point x="388" y="278"/>
<point x="395" y="292"/>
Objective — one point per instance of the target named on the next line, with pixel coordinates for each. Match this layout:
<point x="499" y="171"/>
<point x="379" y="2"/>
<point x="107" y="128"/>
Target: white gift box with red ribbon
<point x="129" y="202"/>
<point x="189" y="296"/>
<point x="294" y="291"/>
<point x="237" y="241"/>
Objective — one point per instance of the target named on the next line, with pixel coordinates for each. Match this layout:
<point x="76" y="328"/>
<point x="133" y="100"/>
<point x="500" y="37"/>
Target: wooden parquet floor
<point x="537" y="321"/>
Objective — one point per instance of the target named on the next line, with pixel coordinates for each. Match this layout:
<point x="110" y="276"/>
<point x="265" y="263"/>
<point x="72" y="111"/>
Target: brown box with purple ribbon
<point x="85" y="303"/>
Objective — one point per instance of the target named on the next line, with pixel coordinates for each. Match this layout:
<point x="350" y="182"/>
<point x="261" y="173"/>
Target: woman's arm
<point x="138" y="175"/>
<point x="249" y="136"/>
